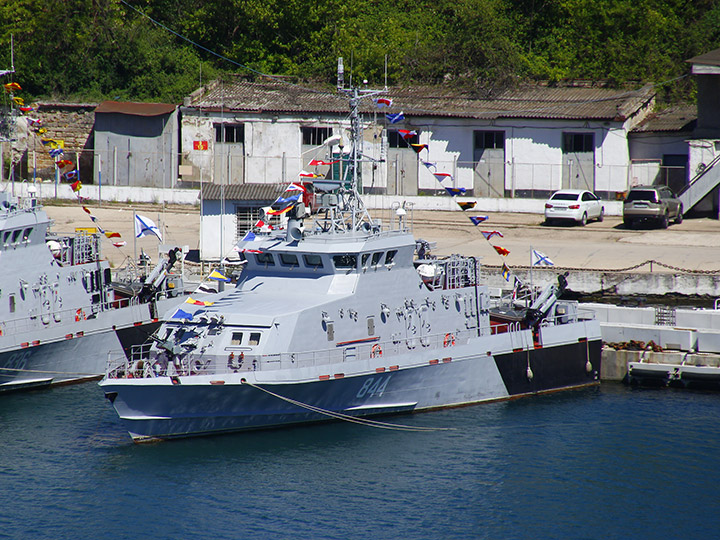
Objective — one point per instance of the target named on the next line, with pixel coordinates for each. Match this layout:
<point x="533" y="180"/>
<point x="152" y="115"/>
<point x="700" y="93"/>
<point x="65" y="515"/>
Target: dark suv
<point x="654" y="203"/>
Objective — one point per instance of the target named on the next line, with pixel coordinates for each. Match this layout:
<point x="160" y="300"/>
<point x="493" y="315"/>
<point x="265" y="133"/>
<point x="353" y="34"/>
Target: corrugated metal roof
<point x="136" y="109"/>
<point x="711" y="58"/>
<point x="680" y="118"/>
<point x="243" y="192"/>
<point x="547" y="102"/>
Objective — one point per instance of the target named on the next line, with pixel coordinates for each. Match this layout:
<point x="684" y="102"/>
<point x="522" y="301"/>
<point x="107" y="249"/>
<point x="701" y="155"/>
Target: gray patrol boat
<point x="344" y="320"/>
<point x="61" y="313"/>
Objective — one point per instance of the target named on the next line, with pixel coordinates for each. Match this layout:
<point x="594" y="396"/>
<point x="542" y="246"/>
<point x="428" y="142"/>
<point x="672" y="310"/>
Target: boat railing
<point x="64" y="317"/>
<point x="143" y="363"/>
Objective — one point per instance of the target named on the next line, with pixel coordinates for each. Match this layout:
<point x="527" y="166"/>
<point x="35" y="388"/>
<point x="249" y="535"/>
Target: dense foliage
<point x="107" y="49"/>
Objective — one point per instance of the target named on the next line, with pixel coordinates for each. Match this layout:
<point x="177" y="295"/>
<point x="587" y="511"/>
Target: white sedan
<point x="573" y="204"/>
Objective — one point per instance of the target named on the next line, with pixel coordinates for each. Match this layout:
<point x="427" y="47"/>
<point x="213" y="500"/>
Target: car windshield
<point x="642" y="195"/>
<point x="565" y="197"/>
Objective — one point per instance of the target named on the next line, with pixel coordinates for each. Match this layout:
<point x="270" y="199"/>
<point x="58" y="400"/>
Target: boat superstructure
<point x="59" y="314"/>
<point x="341" y="317"/>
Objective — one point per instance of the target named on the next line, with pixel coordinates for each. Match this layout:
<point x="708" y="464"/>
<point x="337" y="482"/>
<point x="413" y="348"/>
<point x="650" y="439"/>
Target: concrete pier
<point x="615" y="362"/>
<point x="671" y="336"/>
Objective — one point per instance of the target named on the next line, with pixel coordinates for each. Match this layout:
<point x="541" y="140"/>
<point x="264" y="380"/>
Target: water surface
<point x="608" y="462"/>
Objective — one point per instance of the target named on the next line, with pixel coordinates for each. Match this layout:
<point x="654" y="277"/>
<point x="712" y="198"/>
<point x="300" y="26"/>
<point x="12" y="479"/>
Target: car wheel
<point x="602" y="215"/>
<point x="679" y="217"/>
<point x="664" y="221"/>
<point x="583" y="219"/>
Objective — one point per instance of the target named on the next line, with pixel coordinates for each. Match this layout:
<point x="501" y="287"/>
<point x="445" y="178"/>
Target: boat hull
<point x="200" y="405"/>
<point x="77" y="358"/>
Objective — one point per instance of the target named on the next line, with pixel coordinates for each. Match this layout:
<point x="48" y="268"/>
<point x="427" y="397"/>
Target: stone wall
<point x="69" y="122"/>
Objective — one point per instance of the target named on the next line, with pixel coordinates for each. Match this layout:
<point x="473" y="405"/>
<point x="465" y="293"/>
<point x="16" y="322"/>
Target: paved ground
<point x="692" y="245"/>
<point x="180" y="226"/>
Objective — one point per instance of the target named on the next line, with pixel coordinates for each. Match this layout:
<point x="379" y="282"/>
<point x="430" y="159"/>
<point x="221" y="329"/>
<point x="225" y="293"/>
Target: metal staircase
<point x="700" y="185"/>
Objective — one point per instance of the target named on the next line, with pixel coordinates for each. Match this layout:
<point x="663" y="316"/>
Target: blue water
<point x="608" y="462"/>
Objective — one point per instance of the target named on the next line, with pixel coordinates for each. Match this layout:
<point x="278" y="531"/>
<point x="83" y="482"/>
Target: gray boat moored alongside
<point x="342" y="319"/>
<point x="60" y="315"/>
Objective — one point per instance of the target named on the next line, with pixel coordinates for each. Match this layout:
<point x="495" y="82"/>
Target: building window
<point x="489" y="139"/>
<point x="315" y="136"/>
<point x="396" y="140"/>
<point x="229" y="133"/>
<point x="578" y="142"/>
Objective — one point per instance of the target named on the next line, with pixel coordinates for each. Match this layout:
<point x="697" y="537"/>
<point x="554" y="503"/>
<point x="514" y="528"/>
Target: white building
<point x="520" y="143"/>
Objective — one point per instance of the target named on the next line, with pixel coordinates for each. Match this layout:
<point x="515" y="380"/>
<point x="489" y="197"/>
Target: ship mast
<point x="355" y="95"/>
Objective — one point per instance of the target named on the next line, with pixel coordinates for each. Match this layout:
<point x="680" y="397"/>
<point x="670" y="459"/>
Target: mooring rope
<point x="345" y="417"/>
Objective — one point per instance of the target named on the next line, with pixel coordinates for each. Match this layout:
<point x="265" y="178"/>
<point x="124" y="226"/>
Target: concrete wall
<point x="178" y="195"/>
<point x="613" y="282"/>
<point x="615" y="363"/>
<point x="103" y="193"/>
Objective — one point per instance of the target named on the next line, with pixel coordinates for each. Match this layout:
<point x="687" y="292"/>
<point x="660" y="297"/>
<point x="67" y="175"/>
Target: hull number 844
<point x="373" y="387"/>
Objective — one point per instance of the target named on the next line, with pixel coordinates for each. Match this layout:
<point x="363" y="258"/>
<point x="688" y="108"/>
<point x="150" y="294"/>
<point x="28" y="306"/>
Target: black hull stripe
<point x="552" y="367"/>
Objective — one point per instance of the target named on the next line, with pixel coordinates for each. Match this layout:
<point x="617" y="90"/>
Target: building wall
<point x="133" y="150"/>
<point x="71" y="123"/>
<point x="708" y="105"/>
<point x="533" y="150"/>
<point x="646" y="156"/>
<point x="217" y="234"/>
<point x="272" y="146"/>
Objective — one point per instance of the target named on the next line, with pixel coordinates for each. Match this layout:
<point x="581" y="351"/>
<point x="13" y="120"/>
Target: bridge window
<point x="376" y="258"/>
<point x="236" y="338"/>
<point x="254" y="338"/>
<point x="313" y="261"/>
<point x="364" y="260"/>
<point x="390" y="256"/>
<point x="265" y="258"/>
<point x="345" y="261"/>
<point x="289" y="259"/>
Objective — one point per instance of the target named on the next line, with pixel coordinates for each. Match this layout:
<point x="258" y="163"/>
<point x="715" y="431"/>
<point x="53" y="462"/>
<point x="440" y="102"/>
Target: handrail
<point x="140" y="366"/>
<point x="66" y="316"/>
<point x="699" y="175"/>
